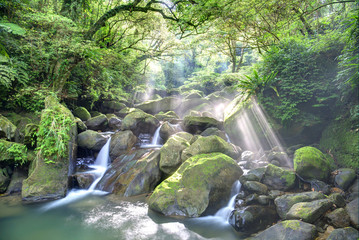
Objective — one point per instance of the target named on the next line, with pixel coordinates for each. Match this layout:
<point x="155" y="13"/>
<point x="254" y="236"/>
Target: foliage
<point x="15" y="151"/>
<point x="53" y="134"/>
<point x="30" y="98"/>
<point x="254" y="85"/>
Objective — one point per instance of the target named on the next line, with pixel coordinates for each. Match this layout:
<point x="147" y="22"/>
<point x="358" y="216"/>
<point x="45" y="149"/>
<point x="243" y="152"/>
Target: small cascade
<point x="228" y="139"/>
<point x="156" y="139"/>
<point x="226" y="211"/>
<point x="99" y="168"/>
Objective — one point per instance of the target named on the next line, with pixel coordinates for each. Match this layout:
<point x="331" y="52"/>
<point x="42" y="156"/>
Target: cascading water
<point x="156" y="140"/>
<point x="156" y="137"/>
<point x="226" y="211"/>
<point x="99" y="168"/>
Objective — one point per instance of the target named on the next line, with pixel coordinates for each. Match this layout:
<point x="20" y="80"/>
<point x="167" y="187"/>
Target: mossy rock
<point x="127" y="110"/>
<point x="121" y="142"/>
<point x="7" y="128"/>
<point x="82" y="113"/>
<point x="140" y="122"/>
<point x="342" y="142"/>
<point x="291" y="229"/>
<point x="81" y="126"/>
<point x="112" y="106"/>
<point x="285" y="202"/>
<point x="277" y="178"/>
<point x="49" y="178"/>
<point x="15" y="153"/>
<point x="196" y="125"/>
<point x="91" y="140"/>
<point x="196" y="104"/>
<point x="208" y="145"/>
<point x="203" y="181"/>
<point x="309" y="211"/>
<point x="344" y="178"/>
<point x="99" y="122"/>
<point x="171" y="154"/>
<point x="168" y="116"/>
<point x="347" y="233"/>
<point x="160" y="105"/>
<point x="214" y="131"/>
<point x="311" y="163"/>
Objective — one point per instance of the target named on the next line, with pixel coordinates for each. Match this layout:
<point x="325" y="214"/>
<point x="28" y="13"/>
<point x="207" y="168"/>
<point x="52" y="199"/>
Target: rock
<point x="95" y="113"/>
<point x="30" y="135"/>
<point x="92" y="140"/>
<point x="214" y="131"/>
<point x="160" y="105"/>
<point x="278" y="178"/>
<point x="167" y="130"/>
<point x="168" y="116"/>
<point x="4" y="180"/>
<point x="285" y="202"/>
<point x="140" y="122"/>
<point x="264" y="200"/>
<point x="209" y="145"/>
<point x="252" y="219"/>
<point x="259" y="172"/>
<point x="194" y="94"/>
<point x="339" y="218"/>
<point x="247" y="156"/>
<point x="99" y="122"/>
<point x="255" y="187"/>
<point x="197" y="125"/>
<point x="81" y="126"/>
<point x="337" y="199"/>
<point x="14" y="153"/>
<point x="310" y="163"/>
<point x="280" y="157"/>
<point x="273" y="194"/>
<point x="121" y="142"/>
<point x="84" y="180"/>
<point x="203" y="181"/>
<point x="49" y="178"/>
<point x="82" y="113"/>
<point x="171" y="154"/>
<point x="249" y="177"/>
<point x="196" y="104"/>
<point x="137" y="176"/>
<point x="352" y="209"/>
<point x="7" y="129"/>
<point x="354" y="188"/>
<point x="18" y="176"/>
<point x="291" y="229"/>
<point x="347" y="233"/>
<point x="114" y="123"/>
<point x="344" y="178"/>
<point x="309" y="211"/>
<point x="112" y="106"/>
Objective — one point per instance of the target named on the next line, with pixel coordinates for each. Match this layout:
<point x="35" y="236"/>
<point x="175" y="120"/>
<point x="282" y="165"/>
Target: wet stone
<point x="339" y="218"/>
<point x="347" y="233"/>
<point x="337" y="199"/>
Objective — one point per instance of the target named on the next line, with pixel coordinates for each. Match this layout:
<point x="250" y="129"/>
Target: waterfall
<point x="156" y="140"/>
<point x="99" y="168"/>
<point x="226" y="211"/>
<point x="156" y="137"/>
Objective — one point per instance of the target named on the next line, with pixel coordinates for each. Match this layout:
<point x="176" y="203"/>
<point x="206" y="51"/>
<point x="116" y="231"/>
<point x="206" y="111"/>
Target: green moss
<point x="292" y="224"/>
<point x="15" y="152"/>
<point x="341" y="142"/>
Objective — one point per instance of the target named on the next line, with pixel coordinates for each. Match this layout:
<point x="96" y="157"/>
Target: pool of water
<point x="103" y="218"/>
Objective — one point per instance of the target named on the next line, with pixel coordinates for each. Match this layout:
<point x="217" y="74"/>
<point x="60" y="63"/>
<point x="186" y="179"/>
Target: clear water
<point x="103" y="218"/>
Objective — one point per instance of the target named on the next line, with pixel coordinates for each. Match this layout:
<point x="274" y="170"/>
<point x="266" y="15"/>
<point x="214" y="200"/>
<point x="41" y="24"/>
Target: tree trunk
<point x="304" y="21"/>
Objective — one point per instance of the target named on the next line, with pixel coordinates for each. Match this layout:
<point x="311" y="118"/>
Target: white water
<point x="226" y="211"/>
<point x="156" y="140"/>
<point x="100" y="167"/>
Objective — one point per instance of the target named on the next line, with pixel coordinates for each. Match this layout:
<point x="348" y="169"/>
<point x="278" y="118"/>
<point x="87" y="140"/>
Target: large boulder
<point x="347" y="233"/>
<point x="160" y="105"/>
<point x="252" y="218"/>
<point x="168" y="116"/>
<point x="168" y="129"/>
<point x="285" y="202"/>
<point x="112" y="106"/>
<point x="310" y="163"/>
<point x="214" y="131"/>
<point x="140" y="122"/>
<point x="202" y="182"/>
<point x="99" y="122"/>
<point x="187" y="105"/>
<point x="114" y="123"/>
<point x="353" y="211"/>
<point x="171" y="154"/>
<point x="309" y="211"/>
<point x="7" y="129"/>
<point x="291" y="229"/>
<point x="196" y="125"/>
<point x="344" y="178"/>
<point x="339" y="218"/>
<point x="208" y="145"/>
<point x="91" y="140"/>
<point x="55" y="160"/>
<point x="82" y="113"/>
<point x="277" y="178"/>
<point x="121" y="142"/>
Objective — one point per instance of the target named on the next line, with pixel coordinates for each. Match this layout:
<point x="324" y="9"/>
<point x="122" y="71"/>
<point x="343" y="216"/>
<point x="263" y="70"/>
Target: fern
<point x="7" y="76"/>
<point x="12" y="28"/>
<point x="12" y="71"/>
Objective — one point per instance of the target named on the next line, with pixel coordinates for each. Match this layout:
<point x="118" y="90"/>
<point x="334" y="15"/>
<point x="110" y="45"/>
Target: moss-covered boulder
<point x="168" y="129"/>
<point x="338" y="218"/>
<point x="121" y="142"/>
<point x="160" y="105"/>
<point x="91" y="140"/>
<point x="285" y="202"/>
<point x="81" y="126"/>
<point x="140" y="122"/>
<point x="57" y="153"/>
<point x="208" y="145"/>
<point x="277" y="178"/>
<point x="114" y="123"/>
<point x="82" y="113"/>
<point x="309" y="211"/>
<point x="112" y="106"/>
<point x="7" y="128"/>
<point x="196" y="125"/>
<point x="311" y="163"/>
<point x="344" y="178"/>
<point x="99" y="122"/>
<point x="171" y="154"/>
<point x="214" y="131"/>
<point x="202" y="181"/>
<point x="291" y="229"/>
<point x="127" y="110"/>
<point x="353" y="211"/>
<point x="14" y="153"/>
<point x="255" y="187"/>
<point x="168" y="116"/>
<point x="347" y="233"/>
<point x="197" y="104"/>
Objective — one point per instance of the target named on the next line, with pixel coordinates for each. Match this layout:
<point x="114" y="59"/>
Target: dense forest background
<point x="299" y="58"/>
